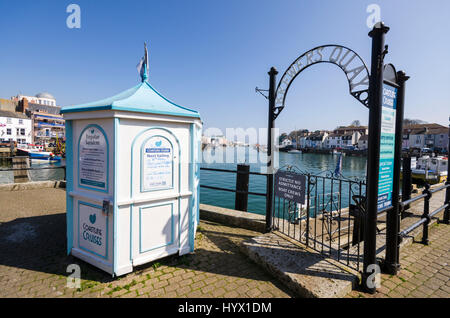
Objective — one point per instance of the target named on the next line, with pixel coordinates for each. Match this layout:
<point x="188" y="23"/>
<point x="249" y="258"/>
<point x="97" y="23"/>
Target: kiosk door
<point x="156" y="192"/>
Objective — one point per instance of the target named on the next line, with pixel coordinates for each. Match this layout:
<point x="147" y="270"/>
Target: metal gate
<point x="331" y="221"/>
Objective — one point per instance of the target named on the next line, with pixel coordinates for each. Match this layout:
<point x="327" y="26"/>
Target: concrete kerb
<point x="246" y="220"/>
<point x="32" y="185"/>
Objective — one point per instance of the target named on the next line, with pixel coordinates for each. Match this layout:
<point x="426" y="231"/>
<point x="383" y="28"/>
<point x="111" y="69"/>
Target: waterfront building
<point x="41" y="99"/>
<point x="303" y="141"/>
<point x="363" y="142"/>
<point x="345" y="140"/>
<point x="433" y="136"/>
<point x="333" y="141"/>
<point x="316" y="140"/>
<point x="219" y="140"/>
<point x="206" y="140"/>
<point x="350" y="139"/>
<point x="48" y="124"/>
<point x="362" y="130"/>
<point x="15" y="127"/>
<point x="286" y="142"/>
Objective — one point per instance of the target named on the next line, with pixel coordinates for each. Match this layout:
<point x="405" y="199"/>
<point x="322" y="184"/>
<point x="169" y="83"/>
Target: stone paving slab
<point x="33" y="260"/>
<point x="307" y="273"/>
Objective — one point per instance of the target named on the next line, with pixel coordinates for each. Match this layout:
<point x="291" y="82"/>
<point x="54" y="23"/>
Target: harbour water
<point x="316" y="164"/>
<point x="228" y="158"/>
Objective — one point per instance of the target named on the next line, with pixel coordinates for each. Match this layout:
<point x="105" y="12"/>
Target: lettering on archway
<point x="346" y="59"/>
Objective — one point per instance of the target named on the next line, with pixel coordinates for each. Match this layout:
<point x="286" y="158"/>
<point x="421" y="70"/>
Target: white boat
<point x="431" y="169"/>
<point x="294" y="151"/>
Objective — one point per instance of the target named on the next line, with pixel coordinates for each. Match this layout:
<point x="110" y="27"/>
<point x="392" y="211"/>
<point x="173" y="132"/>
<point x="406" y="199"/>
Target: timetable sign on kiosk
<point x="157" y="164"/>
<point x="387" y="146"/>
<point x="93" y="159"/>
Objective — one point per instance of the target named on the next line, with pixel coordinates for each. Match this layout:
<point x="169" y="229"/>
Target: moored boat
<point x="37" y="153"/>
<point x="430" y="169"/>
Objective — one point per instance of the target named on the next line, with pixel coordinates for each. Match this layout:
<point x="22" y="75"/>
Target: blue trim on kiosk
<point x="69" y="187"/>
<point x="191" y="187"/>
<point x="115" y="209"/>
<point x="99" y="188"/>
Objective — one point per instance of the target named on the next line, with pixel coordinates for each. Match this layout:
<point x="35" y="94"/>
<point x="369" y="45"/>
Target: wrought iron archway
<point x="345" y="58"/>
<point x="368" y="89"/>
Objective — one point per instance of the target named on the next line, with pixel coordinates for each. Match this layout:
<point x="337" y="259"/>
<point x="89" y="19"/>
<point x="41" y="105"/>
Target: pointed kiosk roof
<point x="142" y="98"/>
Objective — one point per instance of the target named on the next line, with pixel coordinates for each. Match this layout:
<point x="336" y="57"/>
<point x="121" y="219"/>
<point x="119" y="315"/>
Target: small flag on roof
<point x="142" y="66"/>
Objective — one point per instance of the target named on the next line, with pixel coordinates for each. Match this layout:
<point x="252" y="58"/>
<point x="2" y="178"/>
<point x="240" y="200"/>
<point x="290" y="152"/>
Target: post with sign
<point x="373" y="161"/>
<point x="391" y="264"/>
<point x="270" y="142"/>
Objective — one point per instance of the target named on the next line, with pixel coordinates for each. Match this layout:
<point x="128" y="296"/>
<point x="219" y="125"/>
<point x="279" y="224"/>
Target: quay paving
<point x="33" y="259"/>
<point x="425" y="270"/>
<point x="342" y="233"/>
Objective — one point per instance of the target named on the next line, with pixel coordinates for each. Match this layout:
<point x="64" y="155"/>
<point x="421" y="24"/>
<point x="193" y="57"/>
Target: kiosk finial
<point x="143" y="65"/>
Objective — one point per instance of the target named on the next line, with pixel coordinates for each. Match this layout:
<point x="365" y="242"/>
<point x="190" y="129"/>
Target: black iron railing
<point x="242" y="185"/>
<point x="331" y="221"/>
<point x="427" y="215"/>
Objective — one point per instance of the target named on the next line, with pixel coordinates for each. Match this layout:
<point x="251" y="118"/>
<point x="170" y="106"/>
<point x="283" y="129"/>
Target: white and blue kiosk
<point x="132" y="179"/>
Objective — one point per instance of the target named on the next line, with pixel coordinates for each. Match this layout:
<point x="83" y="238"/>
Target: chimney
<point x="24" y="105"/>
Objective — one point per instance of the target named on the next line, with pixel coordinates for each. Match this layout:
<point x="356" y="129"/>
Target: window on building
<point x="22" y="131"/>
<point x="20" y="121"/>
<point x="8" y="120"/>
<point x="8" y="131"/>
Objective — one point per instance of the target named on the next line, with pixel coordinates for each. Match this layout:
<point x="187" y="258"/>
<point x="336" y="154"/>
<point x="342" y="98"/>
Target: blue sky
<point x="210" y="55"/>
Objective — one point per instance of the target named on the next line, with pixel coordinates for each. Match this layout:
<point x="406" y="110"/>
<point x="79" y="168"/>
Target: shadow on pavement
<point x="39" y="244"/>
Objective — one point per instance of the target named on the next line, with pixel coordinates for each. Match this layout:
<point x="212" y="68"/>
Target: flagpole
<point x="145" y="77"/>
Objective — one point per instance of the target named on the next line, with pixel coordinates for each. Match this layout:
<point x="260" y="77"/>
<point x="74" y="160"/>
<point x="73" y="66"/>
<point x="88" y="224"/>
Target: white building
<point x="217" y="141"/>
<point x="419" y="136"/>
<point x="350" y="139"/>
<point x="286" y="142"/>
<point x="363" y="142"/>
<point x="333" y="141"/>
<point x="316" y="140"/>
<point x="15" y="127"/>
<point x="303" y="141"/>
<point x="337" y="140"/>
<point x="41" y="98"/>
